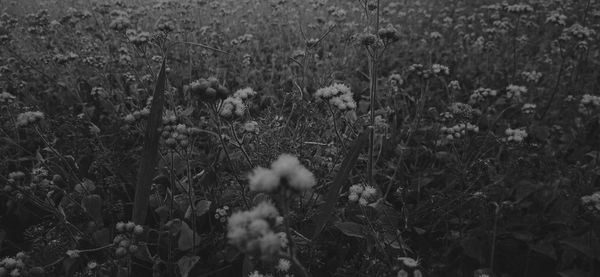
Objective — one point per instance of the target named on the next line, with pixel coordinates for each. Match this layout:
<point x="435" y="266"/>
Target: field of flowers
<point x="300" y="138"/>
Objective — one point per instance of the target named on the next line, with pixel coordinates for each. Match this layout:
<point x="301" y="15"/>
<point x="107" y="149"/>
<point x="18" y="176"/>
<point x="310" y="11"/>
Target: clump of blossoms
<point x="253" y="231"/>
<point x="588" y="104"/>
<point x="208" y="89"/>
<point x="338" y="95"/>
<point x="459" y="130"/>
<point x="481" y="94"/>
<point x="528" y="108"/>
<point x="127" y="241"/>
<point x="136" y="116"/>
<point x="578" y="32"/>
<point x="286" y="172"/>
<point x="519" y="9"/>
<point x="592" y="201"/>
<point x="408" y="265"/>
<point x="27" y="118"/>
<point x="361" y="194"/>
<point x="175" y="134"/>
<point x="532" y="76"/>
<point x="439" y="69"/>
<point x="250" y="127"/>
<point x="556" y="18"/>
<point x="121" y="22"/>
<point x="515" y="92"/>
<point x="6" y="98"/>
<point x="516" y="135"/>
<point x="221" y="214"/>
<point x="232" y="106"/>
<point x="17" y="266"/>
<point x="244" y="93"/>
<point x="138" y="38"/>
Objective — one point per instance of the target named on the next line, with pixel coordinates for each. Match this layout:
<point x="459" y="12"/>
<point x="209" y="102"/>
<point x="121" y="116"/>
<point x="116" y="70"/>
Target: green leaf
<point x="586" y="244"/>
<point x="201" y="208"/>
<point x="545" y="249"/>
<point x="149" y="158"/>
<point x="92" y="204"/>
<point x="186" y="263"/>
<point x="326" y="211"/>
<point x="351" y="229"/>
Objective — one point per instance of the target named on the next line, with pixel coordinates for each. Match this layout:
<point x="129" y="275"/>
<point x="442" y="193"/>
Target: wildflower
<point x="519" y="9"/>
<point x="73" y="253"/>
<point x="528" y="108"/>
<point x="232" y="106"/>
<point x="440" y="69"/>
<point x="6" y="98"/>
<point x="251" y="231"/>
<point x="120" y="23"/>
<point x="514" y="91"/>
<point x="244" y="93"/>
<point x="92" y="265"/>
<point x="481" y="94"/>
<point x="410" y="262"/>
<point x="389" y="34"/>
<point x="532" y="77"/>
<point x="26" y="118"/>
<point x="402" y="273"/>
<point x="283" y="265"/>
<point x="454" y="85"/>
<point x="578" y="32"/>
<point x="516" y="135"/>
<point x="588" y="104"/>
<point x="361" y="194"/>
<point x="367" y="39"/>
<point x="338" y="95"/>
<point x="251" y="127"/>
<point x="556" y="18"/>
<point x="138" y="229"/>
<point x="263" y="179"/>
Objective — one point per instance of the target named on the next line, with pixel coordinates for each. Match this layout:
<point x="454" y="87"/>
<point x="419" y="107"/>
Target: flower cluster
<point x="6" y="98"/>
<point x="557" y="18"/>
<point x="481" y="94"/>
<point x="26" y="118"/>
<point x="519" y="9"/>
<point x="361" y="194"/>
<point x="244" y="93"/>
<point x="338" y="95"/>
<point x="138" y="38"/>
<point x="250" y="127"/>
<point x="176" y="134"/>
<point x="454" y="85"/>
<point x="389" y="34"/>
<point x="409" y="265"/>
<point x="459" y="130"/>
<point x="514" y="91"/>
<point x="516" y="135"/>
<point x="592" y="201"/>
<point x="126" y="241"/>
<point x="253" y="231"/>
<point x="136" y="116"/>
<point x="232" y="106"/>
<point x="589" y="103"/>
<point x="221" y="213"/>
<point x="532" y="76"/>
<point x="17" y="266"/>
<point x="439" y="69"/>
<point x="120" y="22"/>
<point x="528" y="108"/>
<point x="208" y="89"/>
<point x="285" y="171"/>
<point x="578" y="32"/>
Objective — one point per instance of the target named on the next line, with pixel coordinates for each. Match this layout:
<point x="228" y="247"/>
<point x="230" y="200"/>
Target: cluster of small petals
<point x="519" y="8"/>
<point x="138" y="37"/>
<point x="285" y="170"/>
<point x="481" y="94"/>
<point x="338" y="95"/>
<point x="440" y="69"/>
<point x="26" y="118"/>
<point x="516" y="135"/>
<point x="361" y="194"/>
<point x="251" y="127"/>
<point x="454" y="85"/>
<point x="14" y="266"/>
<point x="532" y="76"/>
<point x="528" y="108"/>
<point x="579" y="32"/>
<point x="244" y="93"/>
<point x="232" y="106"/>
<point x="459" y="130"/>
<point x="514" y="91"/>
<point x="252" y="231"/>
<point x="283" y="265"/>
<point x="556" y="18"/>
<point x="592" y="201"/>
<point x="389" y="34"/>
<point x="589" y="103"/>
<point x="6" y="98"/>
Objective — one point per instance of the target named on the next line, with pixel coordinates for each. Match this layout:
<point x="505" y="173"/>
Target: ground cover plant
<point x="300" y="138"/>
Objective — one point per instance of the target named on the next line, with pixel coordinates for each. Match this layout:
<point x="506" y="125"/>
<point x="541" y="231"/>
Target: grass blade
<point x="326" y="211"/>
<point x="149" y="160"/>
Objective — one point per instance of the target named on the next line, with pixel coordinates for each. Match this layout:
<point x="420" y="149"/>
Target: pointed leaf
<point x="351" y="229"/>
<point x="186" y="263"/>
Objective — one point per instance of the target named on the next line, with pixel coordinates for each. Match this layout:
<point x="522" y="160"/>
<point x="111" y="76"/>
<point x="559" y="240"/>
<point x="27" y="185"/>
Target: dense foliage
<point x="300" y="138"/>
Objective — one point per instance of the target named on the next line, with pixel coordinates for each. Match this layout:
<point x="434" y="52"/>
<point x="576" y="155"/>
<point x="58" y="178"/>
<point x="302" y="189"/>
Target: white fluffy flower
<point x="283" y="265"/>
<point x="263" y="179"/>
